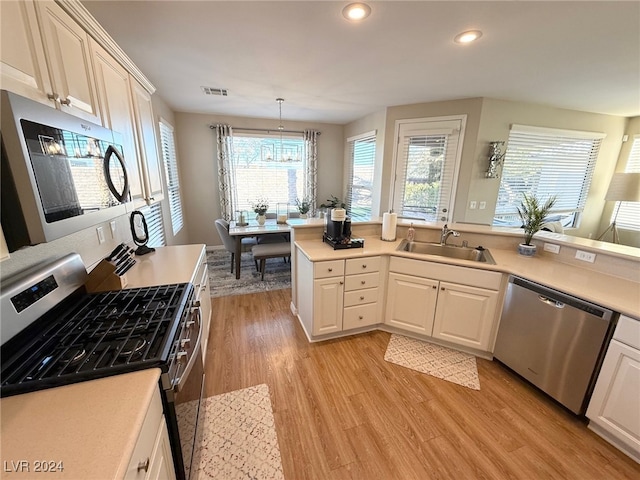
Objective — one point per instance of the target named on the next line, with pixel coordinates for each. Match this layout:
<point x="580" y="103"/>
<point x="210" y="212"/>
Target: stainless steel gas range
<point x="54" y="333"/>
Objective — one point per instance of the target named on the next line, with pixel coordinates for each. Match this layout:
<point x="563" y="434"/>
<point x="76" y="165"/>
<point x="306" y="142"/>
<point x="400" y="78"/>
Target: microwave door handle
<point x="120" y="196"/>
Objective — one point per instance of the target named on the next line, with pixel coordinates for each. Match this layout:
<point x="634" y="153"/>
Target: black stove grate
<point x="104" y="334"/>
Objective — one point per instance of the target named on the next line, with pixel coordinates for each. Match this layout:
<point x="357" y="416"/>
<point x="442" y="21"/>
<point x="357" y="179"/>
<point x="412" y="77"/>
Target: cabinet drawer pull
<point x="341" y="282"/>
<point x="442" y="288"/>
<point x="144" y="465"/>
<point x="434" y="287"/>
<point x="361" y="297"/>
<point x="66" y="102"/>
<point x="360" y="317"/>
<point x="330" y="269"/>
<point x="53" y="96"/>
<point x="364" y="265"/>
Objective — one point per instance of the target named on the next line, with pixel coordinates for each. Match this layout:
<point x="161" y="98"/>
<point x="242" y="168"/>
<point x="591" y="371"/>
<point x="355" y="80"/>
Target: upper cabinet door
<point x="116" y="111"/>
<point x="147" y="142"/>
<point x="69" y="56"/>
<point x="23" y="68"/>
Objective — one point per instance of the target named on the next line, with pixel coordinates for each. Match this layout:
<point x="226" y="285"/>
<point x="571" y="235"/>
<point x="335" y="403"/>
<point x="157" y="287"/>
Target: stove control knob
<point x="182" y="356"/>
<point x="185" y="343"/>
<point x="196" y="304"/>
<point x="190" y="323"/>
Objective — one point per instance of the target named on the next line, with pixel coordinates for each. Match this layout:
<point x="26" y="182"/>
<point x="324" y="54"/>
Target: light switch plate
<point x="551" y="247"/>
<point x="473" y="204"/>
<point x="483" y="205"/>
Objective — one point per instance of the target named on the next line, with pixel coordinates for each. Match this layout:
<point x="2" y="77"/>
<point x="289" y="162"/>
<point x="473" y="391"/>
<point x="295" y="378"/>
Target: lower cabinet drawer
<point x="360" y="297"/>
<point x="360" y="316"/>
<point x="364" y="280"/>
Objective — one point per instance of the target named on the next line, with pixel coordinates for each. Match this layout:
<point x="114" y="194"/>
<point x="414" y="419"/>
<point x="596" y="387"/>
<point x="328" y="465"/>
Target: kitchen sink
<point x="477" y="254"/>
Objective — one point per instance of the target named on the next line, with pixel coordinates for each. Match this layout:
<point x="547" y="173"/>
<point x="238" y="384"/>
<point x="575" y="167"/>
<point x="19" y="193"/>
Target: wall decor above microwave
<point x="60" y="174"/>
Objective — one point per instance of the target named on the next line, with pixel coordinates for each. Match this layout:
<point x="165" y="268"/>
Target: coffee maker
<point x="337" y="226"/>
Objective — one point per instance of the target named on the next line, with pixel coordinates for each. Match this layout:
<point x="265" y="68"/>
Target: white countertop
<point x="616" y="293"/>
<point x="165" y="266"/>
<point x="90" y="428"/>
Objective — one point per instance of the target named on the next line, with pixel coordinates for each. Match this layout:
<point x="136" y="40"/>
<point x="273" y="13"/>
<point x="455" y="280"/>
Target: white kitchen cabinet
<point x="147" y="143"/>
<point x="23" y="67"/>
<point x="465" y="315"/>
<point x="151" y="458"/>
<point x="203" y="299"/>
<point x="116" y="111"/>
<point x="68" y="56"/>
<point x="451" y="303"/>
<point x="327" y="305"/>
<point x="614" y="409"/>
<point x="361" y="292"/>
<point x="411" y="303"/>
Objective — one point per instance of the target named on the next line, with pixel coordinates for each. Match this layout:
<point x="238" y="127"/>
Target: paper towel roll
<point x="389" y="222"/>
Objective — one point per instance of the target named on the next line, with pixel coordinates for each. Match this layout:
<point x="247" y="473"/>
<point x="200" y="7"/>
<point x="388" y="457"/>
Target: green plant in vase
<point x="533" y="214"/>
<point x="304" y="206"/>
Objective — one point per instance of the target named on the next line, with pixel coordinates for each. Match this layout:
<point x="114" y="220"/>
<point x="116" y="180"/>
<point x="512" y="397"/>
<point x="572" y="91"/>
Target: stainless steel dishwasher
<point x="555" y="341"/>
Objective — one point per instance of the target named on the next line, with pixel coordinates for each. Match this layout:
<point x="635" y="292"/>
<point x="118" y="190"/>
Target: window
<point x="629" y="213"/>
<point x="546" y="162"/>
<point x="362" y="154"/>
<point x="153" y="217"/>
<point x="427" y="160"/>
<point x="265" y="167"/>
<point x="171" y="173"/>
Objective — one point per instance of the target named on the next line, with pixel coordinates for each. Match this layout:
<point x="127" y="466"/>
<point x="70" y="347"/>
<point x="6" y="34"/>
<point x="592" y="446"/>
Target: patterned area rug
<point x="240" y="441"/>
<point x="434" y="360"/>
<point x="223" y="283"/>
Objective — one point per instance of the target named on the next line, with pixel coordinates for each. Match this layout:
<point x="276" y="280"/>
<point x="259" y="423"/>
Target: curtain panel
<point x="311" y="167"/>
<point x="226" y="174"/>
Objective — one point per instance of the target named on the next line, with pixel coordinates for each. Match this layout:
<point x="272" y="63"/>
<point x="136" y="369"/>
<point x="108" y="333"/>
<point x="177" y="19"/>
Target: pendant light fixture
<point x="280" y="126"/>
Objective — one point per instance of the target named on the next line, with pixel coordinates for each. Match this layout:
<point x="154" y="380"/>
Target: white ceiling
<point x="577" y="55"/>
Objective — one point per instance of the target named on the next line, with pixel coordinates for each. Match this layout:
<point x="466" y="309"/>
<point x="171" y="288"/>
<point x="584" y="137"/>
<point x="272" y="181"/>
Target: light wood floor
<point x="342" y="412"/>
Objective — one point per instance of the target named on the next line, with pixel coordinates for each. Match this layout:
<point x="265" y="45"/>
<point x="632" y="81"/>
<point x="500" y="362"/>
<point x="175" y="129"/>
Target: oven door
<point x="188" y="393"/>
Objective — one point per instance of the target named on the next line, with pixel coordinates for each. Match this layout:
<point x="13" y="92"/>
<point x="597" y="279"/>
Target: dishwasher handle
<point x="551" y="302"/>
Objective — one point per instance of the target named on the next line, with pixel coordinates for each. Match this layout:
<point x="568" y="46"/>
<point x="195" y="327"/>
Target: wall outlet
<point x="586" y="256"/>
<point x="483" y="205"/>
<point x="473" y="204"/>
<point x="112" y="225"/>
<point x="100" y="232"/>
<point x="551" y="247"/>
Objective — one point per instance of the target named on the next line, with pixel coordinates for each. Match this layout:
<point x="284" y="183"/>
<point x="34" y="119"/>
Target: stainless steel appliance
<point x="60" y="174"/>
<point x="555" y="341"/>
<point x="53" y="334"/>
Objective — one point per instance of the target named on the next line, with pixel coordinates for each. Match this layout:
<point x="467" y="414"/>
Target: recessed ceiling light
<point x="468" y="36"/>
<point x="356" y="11"/>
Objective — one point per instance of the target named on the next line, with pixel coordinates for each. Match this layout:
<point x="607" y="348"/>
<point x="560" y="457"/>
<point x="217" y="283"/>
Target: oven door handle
<point x="179" y="382"/>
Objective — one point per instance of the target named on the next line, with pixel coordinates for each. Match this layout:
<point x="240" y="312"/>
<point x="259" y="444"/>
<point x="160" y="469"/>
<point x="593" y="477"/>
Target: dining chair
<point x="229" y="243"/>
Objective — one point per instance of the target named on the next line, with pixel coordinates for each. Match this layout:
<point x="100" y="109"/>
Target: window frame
<point x="172" y="175"/>
<point x="367" y="137"/>
<point x="629" y="211"/>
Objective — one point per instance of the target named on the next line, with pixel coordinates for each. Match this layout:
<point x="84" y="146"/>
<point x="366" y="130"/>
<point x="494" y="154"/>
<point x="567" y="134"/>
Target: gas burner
<point x="132" y="346"/>
<point x="73" y="356"/>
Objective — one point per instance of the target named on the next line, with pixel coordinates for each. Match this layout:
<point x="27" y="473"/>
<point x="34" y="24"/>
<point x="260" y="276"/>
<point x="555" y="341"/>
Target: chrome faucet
<point x="446" y="233"/>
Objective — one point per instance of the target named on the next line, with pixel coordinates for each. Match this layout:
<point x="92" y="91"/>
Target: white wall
<point x="198" y="170"/>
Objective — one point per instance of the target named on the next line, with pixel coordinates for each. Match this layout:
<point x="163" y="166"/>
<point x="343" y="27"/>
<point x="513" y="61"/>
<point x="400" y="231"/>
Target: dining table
<point x="253" y="229"/>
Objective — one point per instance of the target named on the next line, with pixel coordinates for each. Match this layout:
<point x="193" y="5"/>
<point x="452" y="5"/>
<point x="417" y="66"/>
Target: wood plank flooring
<point x="342" y="412"/>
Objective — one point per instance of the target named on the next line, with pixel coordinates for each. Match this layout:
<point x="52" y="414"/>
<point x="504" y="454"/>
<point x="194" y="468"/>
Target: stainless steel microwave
<point x="60" y="174"/>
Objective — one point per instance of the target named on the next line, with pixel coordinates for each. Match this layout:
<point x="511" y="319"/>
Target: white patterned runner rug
<point x="434" y="360"/>
<point x="239" y="440"/>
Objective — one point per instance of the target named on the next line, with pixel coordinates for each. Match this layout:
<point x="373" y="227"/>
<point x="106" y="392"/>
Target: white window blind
<point x="426" y="169"/>
<point x="362" y="154"/>
<point x="629" y="213"/>
<point x="270" y="168"/>
<point x="171" y="173"/>
<point x="153" y="217"/>
<point x="545" y="162"/>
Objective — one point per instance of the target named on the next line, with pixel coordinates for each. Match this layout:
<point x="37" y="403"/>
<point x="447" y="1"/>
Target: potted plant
<point x="304" y="206"/>
<point x="260" y="207"/>
<point x="331" y="203"/>
<point x="533" y="214"/>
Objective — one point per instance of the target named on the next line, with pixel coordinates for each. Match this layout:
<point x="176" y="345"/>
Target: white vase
<point x="526" y="250"/>
<point x="304" y="215"/>
<point x="261" y="219"/>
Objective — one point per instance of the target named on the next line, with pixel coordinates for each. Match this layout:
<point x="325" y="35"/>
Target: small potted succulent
<point x="304" y="206"/>
<point x="533" y="214"/>
<point x="260" y="207"/>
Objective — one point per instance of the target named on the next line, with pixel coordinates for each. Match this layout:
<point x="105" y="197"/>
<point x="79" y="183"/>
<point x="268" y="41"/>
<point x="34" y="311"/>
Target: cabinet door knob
<point x="341" y="282"/>
<point x="144" y="465"/>
<point x="434" y="287"/>
<point x="442" y="288"/>
<point x="53" y="96"/>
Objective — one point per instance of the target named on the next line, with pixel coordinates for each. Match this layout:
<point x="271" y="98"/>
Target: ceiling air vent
<point x="221" y="92"/>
